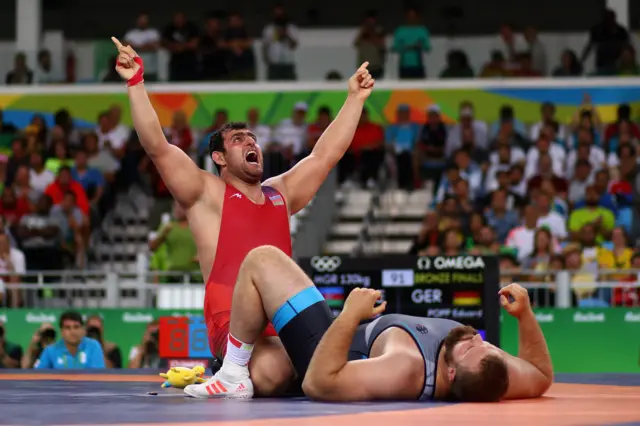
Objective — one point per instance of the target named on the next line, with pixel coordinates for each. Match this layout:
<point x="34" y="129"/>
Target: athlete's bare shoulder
<point x="213" y="191"/>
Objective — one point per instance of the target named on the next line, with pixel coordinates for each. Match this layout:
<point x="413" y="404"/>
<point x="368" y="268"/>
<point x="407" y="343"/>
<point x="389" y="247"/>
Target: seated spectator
<point x="74" y="351"/>
<point x="505" y="154"/>
<point x="628" y="294"/>
<point x="470" y="171"/>
<point x="588" y="121"/>
<point x="502" y="182"/>
<point x="468" y="132"/>
<point x="582" y="280"/>
<point x="63" y="119"/>
<point x="592" y="213"/>
<point x="65" y="183"/>
<point x="545" y="172"/>
<point x="556" y="153"/>
<point x="549" y="218"/>
<point x="262" y="131"/>
<point x="521" y="238"/>
<point x="428" y="236"/>
<point x="499" y="217"/>
<point x="484" y="244"/>
<point x="23" y="189"/>
<point x="39" y="176"/>
<point x="119" y="134"/>
<point x="510" y="126"/>
<point x="61" y="157"/>
<point x="179" y="134"/>
<point x="95" y="330"/>
<point x="627" y="65"/>
<point x="457" y="65"/>
<point x="19" y="157"/>
<point x="429" y="156"/>
<point x="180" y="245"/>
<point x="509" y="267"/>
<point x="401" y="137"/>
<point x="40" y="235"/>
<point x="367" y="148"/>
<point x="447" y="184"/>
<point x="547" y="117"/>
<point x="20" y="74"/>
<point x="517" y="181"/>
<point x="10" y="353"/>
<point x="557" y="200"/>
<point x="12" y="207"/>
<point x="147" y="354"/>
<point x="581" y="180"/>
<point x="315" y="130"/>
<point x="623" y="162"/>
<point x="4" y="227"/>
<point x="601" y="187"/>
<point x="525" y="66"/>
<point x="291" y="133"/>
<point x="496" y="67"/>
<point x="452" y="243"/>
<point x="110" y="137"/>
<point x="74" y="227"/>
<point x="12" y="268"/>
<point x="90" y="178"/>
<point x="544" y="248"/>
<point x="570" y="66"/>
<point x="104" y="160"/>
<point x="44" y="336"/>
<point x="622" y="126"/>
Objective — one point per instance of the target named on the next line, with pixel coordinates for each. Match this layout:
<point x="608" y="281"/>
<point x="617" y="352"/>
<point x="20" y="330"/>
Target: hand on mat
<point x="125" y="65"/>
<point x="361" y="83"/>
<point x="518" y="303"/>
<point x="361" y="304"/>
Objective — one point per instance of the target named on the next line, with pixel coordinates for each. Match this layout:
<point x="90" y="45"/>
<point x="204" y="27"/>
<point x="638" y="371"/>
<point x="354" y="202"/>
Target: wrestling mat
<point x="111" y="397"/>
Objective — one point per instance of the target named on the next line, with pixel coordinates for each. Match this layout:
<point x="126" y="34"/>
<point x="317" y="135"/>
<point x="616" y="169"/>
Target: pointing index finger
<point x="363" y="66"/>
<point x="116" y="42"/>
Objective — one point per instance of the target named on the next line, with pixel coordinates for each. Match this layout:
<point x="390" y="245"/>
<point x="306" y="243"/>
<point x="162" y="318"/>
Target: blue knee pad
<point x="296" y="304"/>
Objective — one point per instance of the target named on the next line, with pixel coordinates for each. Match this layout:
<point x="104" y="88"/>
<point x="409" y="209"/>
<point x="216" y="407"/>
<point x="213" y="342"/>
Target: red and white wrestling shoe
<point x="221" y="386"/>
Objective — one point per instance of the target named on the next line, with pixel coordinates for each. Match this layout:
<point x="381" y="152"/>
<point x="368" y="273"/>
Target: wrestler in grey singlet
<point x="428" y="333"/>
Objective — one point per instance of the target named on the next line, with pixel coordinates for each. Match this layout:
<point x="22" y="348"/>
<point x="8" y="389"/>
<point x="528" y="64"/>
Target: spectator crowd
<point x="546" y="197"/>
<point x="222" y="49"/>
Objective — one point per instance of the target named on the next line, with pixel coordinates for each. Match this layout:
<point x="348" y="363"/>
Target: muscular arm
<point x="185" y="180"/>
<point x="300" y="184"/>
<point x="531" y="373"/>
<point x="331" y="377"/>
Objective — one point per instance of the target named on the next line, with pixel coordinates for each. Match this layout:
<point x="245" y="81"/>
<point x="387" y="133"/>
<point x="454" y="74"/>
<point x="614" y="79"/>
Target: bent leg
<point x="269" y="285"/>
<point x="270" y="280"/>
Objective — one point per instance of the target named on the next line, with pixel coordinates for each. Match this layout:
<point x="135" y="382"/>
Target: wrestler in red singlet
<point x="231" y="214"/>
<point x="244" y="226"/>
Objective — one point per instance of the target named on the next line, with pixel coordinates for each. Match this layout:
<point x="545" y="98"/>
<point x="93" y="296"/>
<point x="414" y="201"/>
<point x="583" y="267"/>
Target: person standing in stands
<point x="409" y="42"/>
<point x="74" y="351"/>
<point x="181" y="38"/>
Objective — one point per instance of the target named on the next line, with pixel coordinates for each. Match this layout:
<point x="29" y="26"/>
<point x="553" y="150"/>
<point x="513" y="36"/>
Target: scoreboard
<point x="461" y="288"/>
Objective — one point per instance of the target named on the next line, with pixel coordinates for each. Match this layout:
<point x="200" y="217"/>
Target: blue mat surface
<point x="54" y="401"/>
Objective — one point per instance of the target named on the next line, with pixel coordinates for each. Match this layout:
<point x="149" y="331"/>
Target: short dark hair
<point x="489" y="384"/>
<point x="216" y="140"/>
<point x="71" y="316"/>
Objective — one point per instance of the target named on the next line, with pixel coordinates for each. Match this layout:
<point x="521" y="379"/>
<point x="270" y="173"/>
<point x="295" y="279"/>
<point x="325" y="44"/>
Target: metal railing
<point x="179" y="290"/>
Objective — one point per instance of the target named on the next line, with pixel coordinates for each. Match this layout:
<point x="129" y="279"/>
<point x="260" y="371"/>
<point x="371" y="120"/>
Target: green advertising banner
<point x="580" y="341"/>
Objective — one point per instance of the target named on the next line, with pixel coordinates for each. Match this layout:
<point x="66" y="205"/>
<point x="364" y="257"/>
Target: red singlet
<point x="244" y="226"/>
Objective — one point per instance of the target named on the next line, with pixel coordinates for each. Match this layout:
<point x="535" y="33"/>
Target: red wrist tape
<point x="138" y="76"/>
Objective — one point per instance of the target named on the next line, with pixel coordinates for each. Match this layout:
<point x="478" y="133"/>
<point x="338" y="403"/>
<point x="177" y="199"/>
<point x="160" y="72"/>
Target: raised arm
<point x="331" y="377"/>
<point x="531" y="372"/>
<point x="184" y="179"/>
<point x="300" y="184"/>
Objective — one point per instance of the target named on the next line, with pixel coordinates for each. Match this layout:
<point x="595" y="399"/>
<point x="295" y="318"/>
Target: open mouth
<point x="252" y="157"/>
